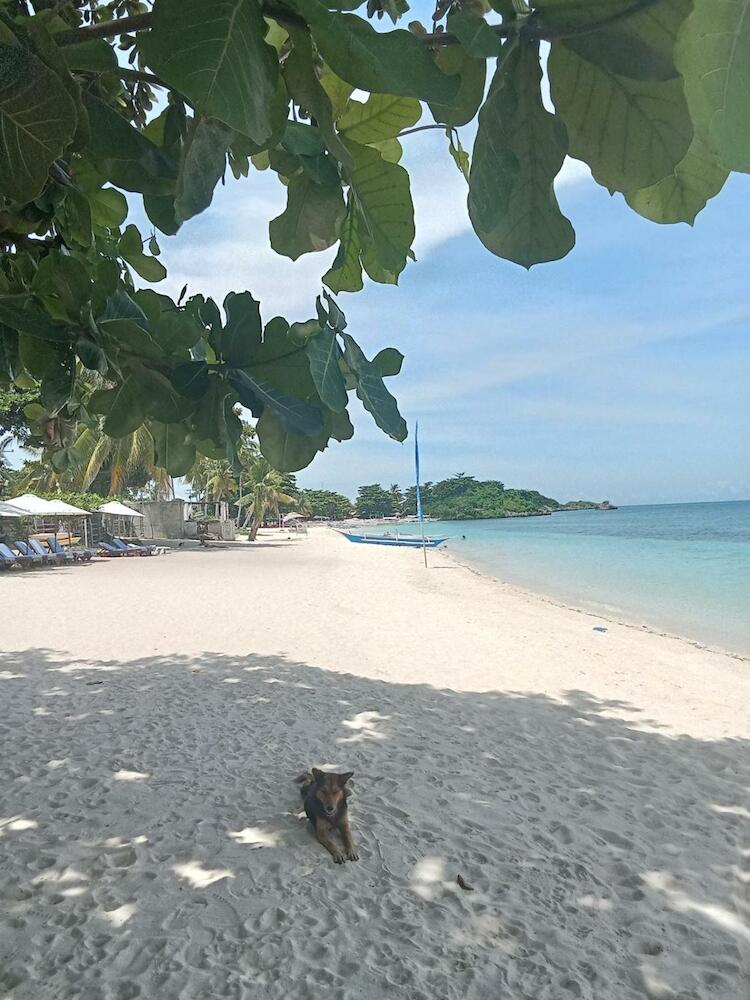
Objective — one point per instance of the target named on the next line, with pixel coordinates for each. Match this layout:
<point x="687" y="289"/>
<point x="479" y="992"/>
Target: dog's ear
<point x="320" y="776"/>
<point x="343" y="778"/>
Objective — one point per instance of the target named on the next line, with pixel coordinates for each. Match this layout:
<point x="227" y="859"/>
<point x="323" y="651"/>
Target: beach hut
<point x="11" y="510"/>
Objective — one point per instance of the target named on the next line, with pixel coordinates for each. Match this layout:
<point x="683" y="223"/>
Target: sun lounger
<point x="129" y="547"/>
<point x="52" y="557"/>
<point x="11" y="559"/>
<point x="54" y="546"/>
<point x="24" y="551"/>
<point x="105" y="548"/>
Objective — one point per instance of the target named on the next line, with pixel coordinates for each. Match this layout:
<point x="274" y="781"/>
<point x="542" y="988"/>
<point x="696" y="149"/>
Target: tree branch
<point x="140" y="76"/>
<point x="106" y="29"/>
<point x="420" y="128"/>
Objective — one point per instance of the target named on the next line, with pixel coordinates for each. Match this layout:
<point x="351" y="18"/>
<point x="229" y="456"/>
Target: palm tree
<point x="265" y="493"/>
<point x="125" y="457"/>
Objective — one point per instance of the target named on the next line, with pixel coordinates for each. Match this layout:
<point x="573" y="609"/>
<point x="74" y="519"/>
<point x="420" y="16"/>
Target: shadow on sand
<point x="151" y="843"/>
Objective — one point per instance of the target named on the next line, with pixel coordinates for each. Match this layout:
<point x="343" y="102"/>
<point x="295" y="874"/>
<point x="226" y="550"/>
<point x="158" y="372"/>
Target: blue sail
<point x="420" y="514"/>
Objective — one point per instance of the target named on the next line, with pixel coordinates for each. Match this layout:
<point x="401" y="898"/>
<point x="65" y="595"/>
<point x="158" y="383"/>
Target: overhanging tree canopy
<point x="653" y="95"/>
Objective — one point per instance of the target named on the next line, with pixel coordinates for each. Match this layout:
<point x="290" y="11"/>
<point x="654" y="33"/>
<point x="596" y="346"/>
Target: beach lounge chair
<point x="67" y="554"/>
<point x="11" y="559"/>
<point x="28" y="552"/>
<point x="130" y="548"/>
<point x="107" y="549"/>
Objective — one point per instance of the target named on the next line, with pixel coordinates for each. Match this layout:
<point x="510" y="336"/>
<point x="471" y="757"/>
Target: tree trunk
<point x="254" y="530"/>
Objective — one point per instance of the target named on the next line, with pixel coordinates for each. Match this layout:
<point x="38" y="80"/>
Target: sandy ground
<point x="593" y="787"/>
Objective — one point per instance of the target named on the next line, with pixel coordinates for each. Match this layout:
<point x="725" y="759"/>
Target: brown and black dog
<point x="324" y="797"/>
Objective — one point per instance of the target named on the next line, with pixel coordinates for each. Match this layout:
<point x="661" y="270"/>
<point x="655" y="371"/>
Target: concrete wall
<point x="162" y="519"/>
<point x="218" y="529"/>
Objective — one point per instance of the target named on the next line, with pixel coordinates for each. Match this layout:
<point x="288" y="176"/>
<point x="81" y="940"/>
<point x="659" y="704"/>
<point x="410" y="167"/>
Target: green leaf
<point x="91" y="355"/>
<point x="336" y="318"/>
<point x="94" y="56"/>
<point x="57" y="385"/>
<point x="202" y="166"/>
<point x="619" y="50"/>
<point x="388" y="361"/>
<point x="38" y="120"/>
<point x="294" y="415"/>
<point x="323" y="352"/>
<point x="713" y="56"/>
<point x="109" y="208"/>
<point x="345" y="274"/>
<point x="381" y="117"/>
<point x="382" y="194"/>
<point x="125" y="155"/>
<point x="341" y="426"/>
<point x="243" y="331"/>
<point x="63" y="284"/>
<point x="682" y="195"/>
<point x="632" y="133"/>
<point x="130" y="247"/>
<point x="519" y="150"/>
<point x="458" y="154"/>
<point x="285" y="451"/>
<point x="191" y="379"/>
<point x="40" y="356"/>
<point x="470" y="75"/>
<point x="126" y="411"/>
<point x="220" y="62"/>
<point x="76" y="211"/>
<point x="311" y="220"/>
<point x="372" y="391"/>
<point x="557" y="18"/>
<point x="307" y="90"/>
<point x="474" y="34"/>
<point x="302" y="140"/>
<point x="393" y="62"/>
<point x="19" y="313"/>
<point x="161" y="211"/>
<point x="173" y="451"/>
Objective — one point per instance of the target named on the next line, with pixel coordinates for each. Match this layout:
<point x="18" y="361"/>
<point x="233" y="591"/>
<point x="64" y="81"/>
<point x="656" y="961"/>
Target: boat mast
<point x="420" y="512"/>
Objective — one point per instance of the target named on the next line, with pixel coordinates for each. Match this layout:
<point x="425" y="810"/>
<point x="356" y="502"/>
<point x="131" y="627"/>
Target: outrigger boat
<point x="407" y="541"/>
<point x="422" y="541"/>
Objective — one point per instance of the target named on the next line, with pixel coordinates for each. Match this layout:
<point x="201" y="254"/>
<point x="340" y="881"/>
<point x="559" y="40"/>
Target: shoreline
<point x="611" y="615"/>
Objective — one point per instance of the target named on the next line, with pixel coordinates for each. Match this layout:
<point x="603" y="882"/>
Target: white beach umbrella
<point x="32" y="504"/>
<point x="292" y="517"/>
<point x="9" y="510"/>
<point x="119" y="509"/>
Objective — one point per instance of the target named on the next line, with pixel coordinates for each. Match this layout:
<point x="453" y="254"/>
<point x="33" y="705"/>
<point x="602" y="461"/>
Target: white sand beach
<point x="593" y="787"/>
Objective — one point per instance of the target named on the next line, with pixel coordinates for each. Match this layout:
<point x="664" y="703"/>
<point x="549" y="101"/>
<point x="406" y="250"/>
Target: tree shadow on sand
<point x="151" y="843"/>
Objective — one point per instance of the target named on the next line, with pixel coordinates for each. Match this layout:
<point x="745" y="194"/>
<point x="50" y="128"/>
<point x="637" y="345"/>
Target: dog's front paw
<point x="352" y="855"/>
<point x="338" y="859"/>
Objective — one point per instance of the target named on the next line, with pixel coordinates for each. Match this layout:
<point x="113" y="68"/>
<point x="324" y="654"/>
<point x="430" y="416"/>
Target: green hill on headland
<point x="459" y="498"/>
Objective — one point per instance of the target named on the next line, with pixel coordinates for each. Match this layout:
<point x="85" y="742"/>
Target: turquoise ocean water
<point x="683" y="568"/>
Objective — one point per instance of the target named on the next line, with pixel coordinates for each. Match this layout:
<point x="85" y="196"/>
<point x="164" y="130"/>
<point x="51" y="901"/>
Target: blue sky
<point x="620" y="372"/>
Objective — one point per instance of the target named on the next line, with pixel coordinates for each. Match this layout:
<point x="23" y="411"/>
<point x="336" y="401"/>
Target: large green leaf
<point x="323" y="352"/>
<point x="37" y="121"/>
<point x="307" y="90"/>
<point x="124" y="155"/>
<point x="382" y="117"/>
<point x="63" y="284"/>
<point x="311" y="220"/>
<point x="286" y="451"/>
<point x="470" y="73"/>
<point x="519" y="150"/>
<point x="218" y="58"/>
<point x="191" y="379"/>
<point x="388" y="361"/>
<point x="381" y="191"/>
<point x="393" y="62"/>
<point x="94" y="56"/>
<point x="345" y="274"/>
<point x="632" y="133"/>
<point x="682" y="195"/>
<point x="126" y="411"/>
<point x="243" y="331"/>
<point x="172" y="451"/>
<point x="57" y="384"/>
<point x="713" y="56"/>
<point x="202" y="166"/>
<point x="474" y="34"/>
<point x="372" y="391"/>
<point x="557" y="18"/>
<point x="295" y="415"/>
<point x="19" y="313"/>
<point x="130" y="247"/>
